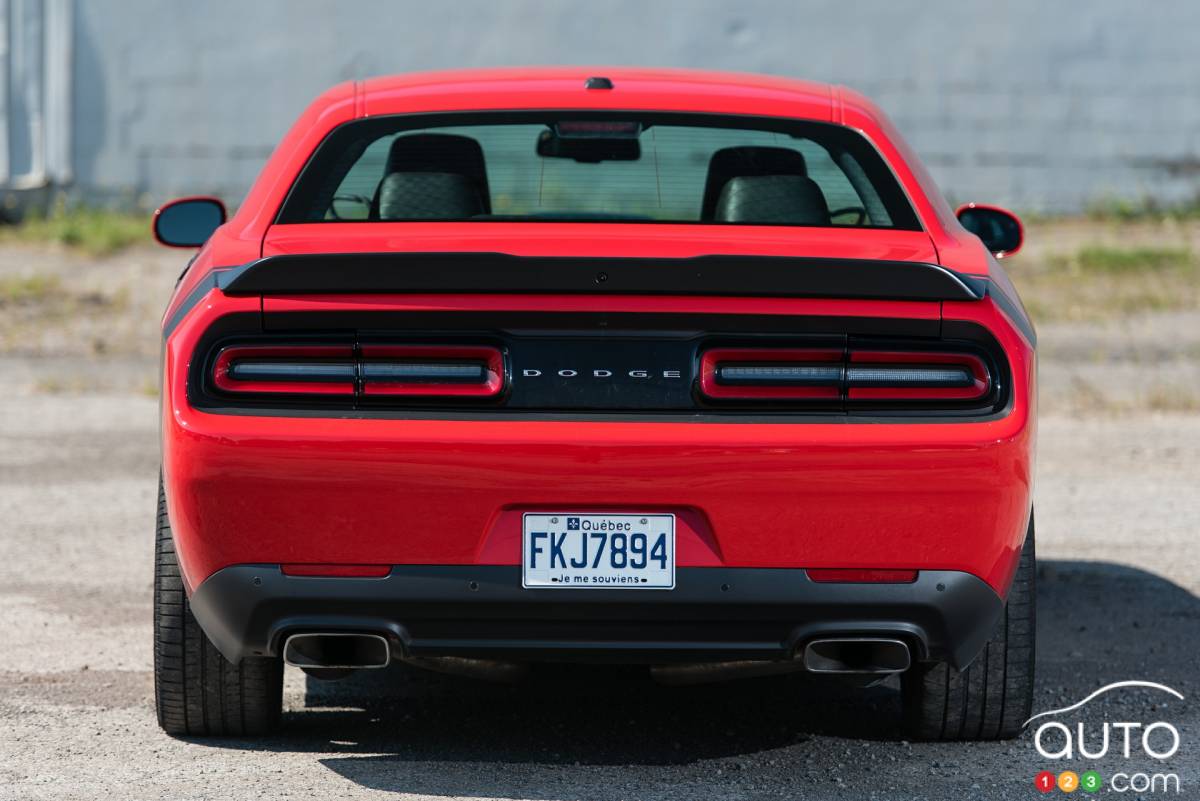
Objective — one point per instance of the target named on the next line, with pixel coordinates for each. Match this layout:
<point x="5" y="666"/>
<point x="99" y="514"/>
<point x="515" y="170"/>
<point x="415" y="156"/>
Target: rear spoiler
<point x="762" y="276"/>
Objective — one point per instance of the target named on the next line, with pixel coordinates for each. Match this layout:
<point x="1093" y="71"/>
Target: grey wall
<point x="1047" y="105"/>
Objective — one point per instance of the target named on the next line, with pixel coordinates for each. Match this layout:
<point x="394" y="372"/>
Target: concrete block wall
<point x="1035" y="104"/>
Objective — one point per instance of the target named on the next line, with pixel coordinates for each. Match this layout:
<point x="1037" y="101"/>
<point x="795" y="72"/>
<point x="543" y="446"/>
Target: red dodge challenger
<point x="689" y="370"/>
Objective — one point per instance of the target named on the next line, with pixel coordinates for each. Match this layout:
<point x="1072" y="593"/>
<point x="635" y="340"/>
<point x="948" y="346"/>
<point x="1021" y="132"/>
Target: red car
<point x="690" y="370"/>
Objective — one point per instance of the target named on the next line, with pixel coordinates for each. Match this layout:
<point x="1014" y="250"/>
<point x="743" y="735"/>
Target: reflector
<point x="340" y="571"/>
<point x="861" y="576"/>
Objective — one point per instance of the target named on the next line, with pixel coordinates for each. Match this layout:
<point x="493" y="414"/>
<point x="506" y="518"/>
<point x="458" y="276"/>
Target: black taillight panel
<point x="514" y="366"/>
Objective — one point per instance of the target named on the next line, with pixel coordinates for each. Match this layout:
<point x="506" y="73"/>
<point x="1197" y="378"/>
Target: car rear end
<point x="494" y="441"/>
<point x="831" y="466"/>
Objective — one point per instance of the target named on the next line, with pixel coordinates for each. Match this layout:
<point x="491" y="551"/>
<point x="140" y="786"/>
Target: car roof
<point x="633" y="88"/>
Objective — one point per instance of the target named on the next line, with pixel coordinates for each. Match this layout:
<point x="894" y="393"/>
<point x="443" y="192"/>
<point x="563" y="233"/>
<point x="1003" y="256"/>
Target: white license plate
<point x="570" y="550"/>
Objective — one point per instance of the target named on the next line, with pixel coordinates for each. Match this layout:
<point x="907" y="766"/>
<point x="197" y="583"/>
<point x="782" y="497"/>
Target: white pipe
<point x="58" y="54"/>
<point x="4" y="72"/>
<point x="31" y="82"/>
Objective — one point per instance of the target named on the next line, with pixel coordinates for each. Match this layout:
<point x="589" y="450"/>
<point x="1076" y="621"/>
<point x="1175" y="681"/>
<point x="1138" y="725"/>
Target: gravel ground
<point x="1118" y="511"/>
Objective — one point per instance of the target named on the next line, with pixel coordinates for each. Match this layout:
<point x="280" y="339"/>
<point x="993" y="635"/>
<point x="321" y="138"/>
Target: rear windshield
<point x="610" y="167"/>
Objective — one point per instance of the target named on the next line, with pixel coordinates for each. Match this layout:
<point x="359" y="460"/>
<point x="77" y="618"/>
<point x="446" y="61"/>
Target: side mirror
<point x="999" y="228"/>
<point x="188" y="222"/>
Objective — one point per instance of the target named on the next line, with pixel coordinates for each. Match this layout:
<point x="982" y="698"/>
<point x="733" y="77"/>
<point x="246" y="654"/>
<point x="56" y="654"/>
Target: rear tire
<point x="197" y="691"/>
<point x="993" y="697"/>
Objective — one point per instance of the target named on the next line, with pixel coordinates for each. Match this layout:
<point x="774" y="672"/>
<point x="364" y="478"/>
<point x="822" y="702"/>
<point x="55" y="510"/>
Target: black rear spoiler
<point x="761" y="276"/>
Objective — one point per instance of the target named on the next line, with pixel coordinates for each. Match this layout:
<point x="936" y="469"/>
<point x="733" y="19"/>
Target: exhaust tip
<point x="857" y="655"/>
<point x="336" y="650"/>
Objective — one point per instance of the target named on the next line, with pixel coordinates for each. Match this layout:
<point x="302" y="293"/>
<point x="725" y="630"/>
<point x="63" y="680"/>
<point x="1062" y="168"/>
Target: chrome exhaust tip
<point x="342" y="650"/>
<point x="878" y="655"/>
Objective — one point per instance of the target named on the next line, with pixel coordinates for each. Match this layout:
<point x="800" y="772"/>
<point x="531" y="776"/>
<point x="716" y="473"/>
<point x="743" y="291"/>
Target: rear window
<point x="614" y="167"/>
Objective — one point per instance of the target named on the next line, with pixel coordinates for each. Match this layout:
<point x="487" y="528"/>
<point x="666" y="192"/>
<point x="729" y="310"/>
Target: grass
<point x="1098" y="282"/>
<point x="75" y="385"/>
<point x="1085" y="397"/>
<point x="94" y="231"/>
<point x="1161" y="398"/>
<point x="1101" y="259"/>
<point x="29" y="289"/>
<point x="1141" y="210"/>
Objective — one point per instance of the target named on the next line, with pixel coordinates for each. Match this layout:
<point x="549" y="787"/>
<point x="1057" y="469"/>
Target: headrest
<point x="441" y="153"/>
<point x="428" y="196"/>
<point x="772" y="200"/>
<point x="747" y="161"/>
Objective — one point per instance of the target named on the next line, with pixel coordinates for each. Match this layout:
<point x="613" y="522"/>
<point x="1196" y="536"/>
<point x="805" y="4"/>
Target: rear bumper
<point x="916" y="496"/>
<point x="482" y="611"/>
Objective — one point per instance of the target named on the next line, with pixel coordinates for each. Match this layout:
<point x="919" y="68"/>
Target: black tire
<point x="993" y="697"/>
<point x="197" y="691"/>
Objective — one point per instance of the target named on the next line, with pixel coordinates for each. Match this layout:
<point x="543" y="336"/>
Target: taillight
<point x="898" y="375"/>
<point x="286" y="369"/>
<point x="851" y="375"/>
<point x="432" y="370"/>
<point x="458" y="371"/>
<point x="761" y="373"/>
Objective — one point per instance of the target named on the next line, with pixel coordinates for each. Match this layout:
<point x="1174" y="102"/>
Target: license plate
<point x="570" y="550"/>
